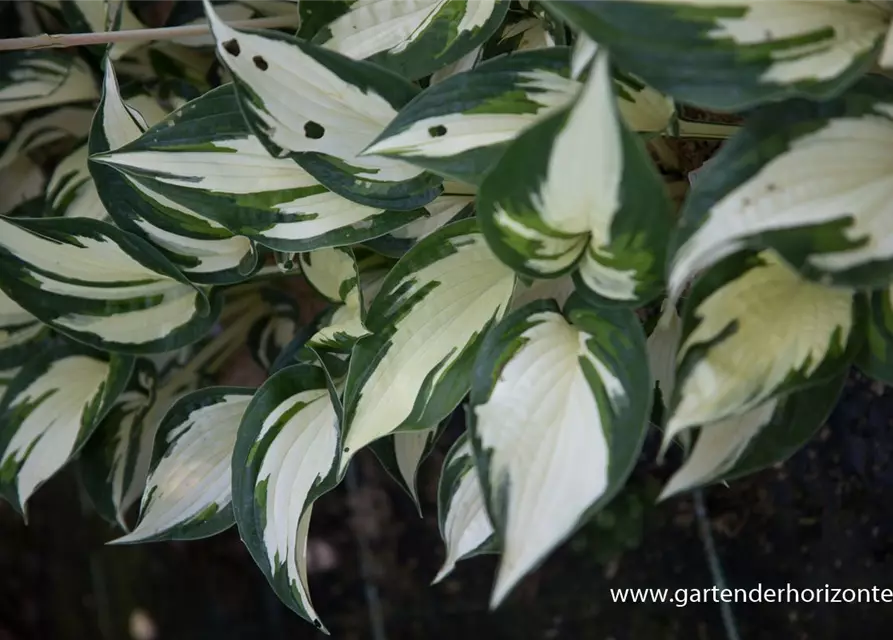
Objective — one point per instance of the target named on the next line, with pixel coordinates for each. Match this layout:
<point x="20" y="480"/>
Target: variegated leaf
<point x="109" y="461"/>
<point x="559" y="411"/>
<point x="96" y="16"/>
<point x="557" y="289"/>
<point x="37" y="132"/>
<point x="333" y="273"/>
<point x="203" y="249"/>
<point x="457" y="200"/>
<point x="115" y="462"/>
<point x="733" y="55"/>
<point x="427" y="323"/>
<point x="580" y="188"/>
<point x="100" y="285"/>
<point x="643" y="109"/>
<point x="663" y="343"/>
<point x="412" y="37"/>
<point x="460" y="127"/>
<point x="759" y="438"/>
<point x="401" y="455"/>
<point x="322" y="109"/>
<point x="19" y="331"/>
<point x="744" y="339"/>
<point x="71" y="191"/>
<point x="461" y="511"/>
<point x="49" y="410"/>
<point x="189" y="490"/>
<point x="285" y="458"/>
<point x="204" y="159"/>
<point x="37" y="79"/>
<point x="812" y="182"/>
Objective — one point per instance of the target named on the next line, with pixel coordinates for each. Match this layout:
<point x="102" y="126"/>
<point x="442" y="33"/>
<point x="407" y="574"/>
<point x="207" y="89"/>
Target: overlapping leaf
<point x="753" y="330"/>
<point x="110" y="462"/>
<point x="427" y="323"/>
<point x="285" y="458"/>
<point x="334" y="275"/>
<point x="37" y="79"/>
<point x="189" y="490"/>
<point x="42" y="130"/>
<point x="461" y="511"/>
<point x="323" y="109"/>
<point x="579" y="188"/>
<point x="460" y="127"/>
<point x="204" y="159"/>
<point x="812" y="182"/>
<point x="100" y="285"/>
<point x="19" y="331"/>
<point x="202" y="248"/>
<point x="733" y="55"/>
<point x="757" y="439"/>
<point x="49" y="410"/>
<point x="559" y="407"/>
<point x="401" y="455"/>
<point x="413" y="37"/>
<point x="876" y="357"/>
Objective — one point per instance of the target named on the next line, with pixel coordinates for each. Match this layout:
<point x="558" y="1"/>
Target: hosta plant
<point x="482" y="193"/>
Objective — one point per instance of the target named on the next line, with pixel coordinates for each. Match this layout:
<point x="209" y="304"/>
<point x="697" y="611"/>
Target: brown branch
<point x="63" y="40"/>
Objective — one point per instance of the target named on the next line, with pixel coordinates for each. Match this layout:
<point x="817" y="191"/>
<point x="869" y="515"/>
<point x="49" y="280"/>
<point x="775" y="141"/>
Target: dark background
<point x="824" y="517"/>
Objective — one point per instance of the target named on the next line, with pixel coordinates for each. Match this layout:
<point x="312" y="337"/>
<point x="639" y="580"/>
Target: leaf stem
<point x="64" y="40"/>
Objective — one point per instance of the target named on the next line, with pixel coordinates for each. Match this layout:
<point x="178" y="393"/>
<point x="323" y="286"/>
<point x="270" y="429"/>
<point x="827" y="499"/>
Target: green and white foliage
<point x="402" y="454"/>
<point x="476" y="188"/>
<point x="286" y="456"/>
<point x="100" y="285"/>
<point x="734" y="55"/>
<point x="460" y="127"/>
<point x="412" y="37"/>
<point x="461" y="511"/>
<point x="48" y="411"/>
<point x="19" y="331"/>
<point x="579" y="189"/>
<point x="772" y="186"/>
<point x="559" y="407"/>
<point x="427" y="324"/>
<point x="71" y="191"/>
<point x="203" y="161"/>
<point x="39" y="131"/>
<point x="756" y="439"/>
<point x="323" y="110"/>
<point x="744" y="340"/>
<point x="37" y="79"/>
<point x="188" y="493"/>
<point x="110" y="462"/>
<point x="334" y="275"/>
<point x="203" y="249"/>
<point x="92" y="16"/>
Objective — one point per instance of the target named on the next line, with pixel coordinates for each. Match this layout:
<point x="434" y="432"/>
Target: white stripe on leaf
<point x="189" y="492"/>
<point x="286" y="451"/>
<point x="50" y="409"/>
<point x="37" y="79"/>
<point x="796" y="192"/>
<point x="108" y="288"/>
<point x="575" y="205"/>
<point x="413" y="37"/>
<point x="745" y="339"/>
<point x="426" y="322"/>
<point x="304" y="106"/>
<point x="462" y="513"/>
<point x="562" y="413"/>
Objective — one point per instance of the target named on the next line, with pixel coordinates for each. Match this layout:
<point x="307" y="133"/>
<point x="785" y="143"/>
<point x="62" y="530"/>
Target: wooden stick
<point x="63" y="40"/>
